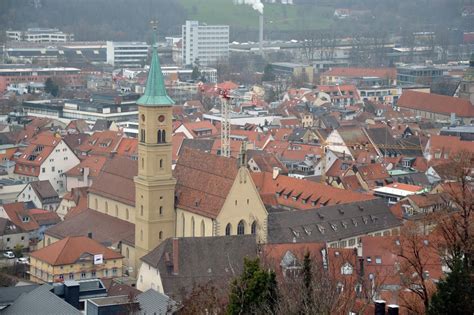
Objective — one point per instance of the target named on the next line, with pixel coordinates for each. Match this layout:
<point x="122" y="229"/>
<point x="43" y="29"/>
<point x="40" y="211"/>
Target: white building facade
<point x="127" y="54"/>
<point x="206" y="43"/>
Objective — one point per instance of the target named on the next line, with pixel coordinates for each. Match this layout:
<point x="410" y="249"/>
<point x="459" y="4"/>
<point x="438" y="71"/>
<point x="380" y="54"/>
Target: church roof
<point x="155" y="91"/>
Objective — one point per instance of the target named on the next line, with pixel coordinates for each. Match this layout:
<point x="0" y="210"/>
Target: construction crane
<point x="225" y="123"/>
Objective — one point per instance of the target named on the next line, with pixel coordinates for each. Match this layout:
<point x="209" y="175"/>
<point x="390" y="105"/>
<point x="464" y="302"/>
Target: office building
<point x="417" y="75"/>
<point x="127" y="54"/>
<point x="40" y="35"/>
<point x="205" y="43"/>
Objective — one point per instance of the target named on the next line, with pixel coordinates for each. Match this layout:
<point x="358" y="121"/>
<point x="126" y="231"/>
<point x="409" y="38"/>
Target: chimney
<point x="89" y="235"/>
<point x="71" y="293"/>
<point x="379" y="307"/>
<point x="260" y="35"/>
<point x="276" y="172"/>
<point x="361" y="266"/>
<point x="392" y="309"/>
<point x="85" y="174"/>
<point x="175" y="256"/>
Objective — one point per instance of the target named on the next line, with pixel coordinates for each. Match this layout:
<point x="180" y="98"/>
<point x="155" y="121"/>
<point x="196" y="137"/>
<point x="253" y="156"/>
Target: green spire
<point x="155" y="91"/>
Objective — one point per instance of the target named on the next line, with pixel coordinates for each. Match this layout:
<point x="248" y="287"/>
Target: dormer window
<point x="347" y="269"/>
<point x="25" y="219"/>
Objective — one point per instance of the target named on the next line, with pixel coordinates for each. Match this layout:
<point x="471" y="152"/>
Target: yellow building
<point x="74" y="258"/>
<point x="154" y="184"/>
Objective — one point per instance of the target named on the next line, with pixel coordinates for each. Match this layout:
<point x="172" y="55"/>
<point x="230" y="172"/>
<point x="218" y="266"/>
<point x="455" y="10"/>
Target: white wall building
<point x="40" y="35"/>
<point x="127" y="54"/>
<point x="207" y="43"/>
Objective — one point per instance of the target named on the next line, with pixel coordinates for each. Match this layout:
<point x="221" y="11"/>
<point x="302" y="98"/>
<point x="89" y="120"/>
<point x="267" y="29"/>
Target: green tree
<point x="51" y="87"/>
<point x="255" y="291"/>
<point x="454" y="294"/>
<point x="196" y="74"/>
<point x="268" y="74"/>
<point x="18" y="250"/>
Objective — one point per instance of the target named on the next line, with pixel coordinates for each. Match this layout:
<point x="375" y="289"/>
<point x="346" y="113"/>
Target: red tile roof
<point x="19" y="214"/>
<point x="302" y="194"/>
<point x="33" y="156"/>
<point x="449" y="145"/>
<point x="100" y="143"/>
<point x="70" y="249"/>
<point x="435" y="103"/>
<point x="203" y="181"/>
<point x="94" y="163"/>
<point x="128" y="147"/>
<point x="116" y="180"/>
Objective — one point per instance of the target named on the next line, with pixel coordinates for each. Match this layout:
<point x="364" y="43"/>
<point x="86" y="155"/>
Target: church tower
<point x="154" y="185"/>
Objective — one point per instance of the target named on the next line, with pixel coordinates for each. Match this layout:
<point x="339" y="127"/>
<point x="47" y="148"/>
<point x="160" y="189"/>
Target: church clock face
<point x="161" y="118"/>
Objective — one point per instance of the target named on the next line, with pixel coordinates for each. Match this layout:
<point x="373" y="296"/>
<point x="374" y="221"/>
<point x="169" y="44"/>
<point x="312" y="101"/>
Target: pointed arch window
<point x="161" y="163"/>
<point x="241" y="228"/>
<point x="142" y="135"/>
<point x="228" y="229"/>
<point x="254" y="228"/>
<point x="193" y="227"/>
<point x="203" y="228"/>
<point x="184" y="224"/>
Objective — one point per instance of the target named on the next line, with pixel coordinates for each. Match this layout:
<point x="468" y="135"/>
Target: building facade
<point x="127" y="54"/>
<point x="205" y="43"/>
<point x="40" y="35"/>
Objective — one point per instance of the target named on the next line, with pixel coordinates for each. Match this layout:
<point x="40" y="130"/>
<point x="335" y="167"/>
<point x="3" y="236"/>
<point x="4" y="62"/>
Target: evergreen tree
<point x="255" y="291"/>
<point x="455" y="293"/>
<point x="196" y="74"/>
<point x="307" y="282"/>
<point x="268" y="74"/>
<point x="51" y="87"/>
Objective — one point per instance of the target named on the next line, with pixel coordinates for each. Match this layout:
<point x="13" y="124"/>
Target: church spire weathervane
<point x="155" y="91"/>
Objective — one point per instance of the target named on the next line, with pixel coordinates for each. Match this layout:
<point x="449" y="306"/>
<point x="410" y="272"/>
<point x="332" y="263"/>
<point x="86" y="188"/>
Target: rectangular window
<point x="71" y="276"/>
<point x="378" y="260"/>
<point x="83" y="275"/>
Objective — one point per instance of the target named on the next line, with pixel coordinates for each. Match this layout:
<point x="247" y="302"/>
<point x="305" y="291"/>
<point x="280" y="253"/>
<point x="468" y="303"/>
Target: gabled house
<point x="73" y="258"/>
<point x="47" y="157"/>
<point x="84" y="174"/>
<point x="41" y="193"/>
<point x="100" y="143"/>
<point x="372" y="175"/>
<point x="177" y="265"/>
<point x="11" y="235"/>
<point x="340" y="226"/>
<point x="200" y="129"/>
<point x="216" y="196"/>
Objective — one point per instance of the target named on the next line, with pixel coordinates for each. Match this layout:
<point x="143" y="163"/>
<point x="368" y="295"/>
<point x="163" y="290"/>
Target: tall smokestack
<point x="260" y="35"/>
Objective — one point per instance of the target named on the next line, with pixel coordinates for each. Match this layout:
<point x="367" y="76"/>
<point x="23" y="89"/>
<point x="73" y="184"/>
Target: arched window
<point x="141" y="210"/>
<point x="158" y="136"/>
<point x="141" y="235"/>
<point x="254" y="228"/>
<point x="126" y="214"/>
<point x="143" y="163"/>
<point x="228" y="229"/>
<point x="116" y="210"/>
<point x="160" y="235"/>
<point x="192" y="226"/>
<point x="241" y="228"/>
<point x="161" y="210"/>
<point x="142" y="135"/>
<point x="163" y="136"/>
<point x="203" y="228"/>
<point x="161" y="163"/>
<point x="184" y="224"/>
<point x="127" y="252"/>
<point x="106" y="207"/>
<point x="96" y="204"/>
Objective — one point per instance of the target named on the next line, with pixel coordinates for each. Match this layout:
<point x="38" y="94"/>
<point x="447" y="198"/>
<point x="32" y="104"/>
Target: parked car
<point x="9" y="254"/>
<point x="22" y="260"/>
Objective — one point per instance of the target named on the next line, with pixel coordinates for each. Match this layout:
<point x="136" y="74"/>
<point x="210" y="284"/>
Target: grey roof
<point x="204" y="145"/>
<point x="391" y="146"/>
<point x="40" y="301"/>
<point x="153" y="302"/>
<point x="45" y="191"/>
<point x="105" y="229"/>
<point x="8" y="295"/>
<point x="417" y="178"/>
<point x="297" y="134"/>
<point x="330" y="223"/>
<point x="101" y="125"/>
<point x="201" y="260"/>
<point x="8" y="227"/>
